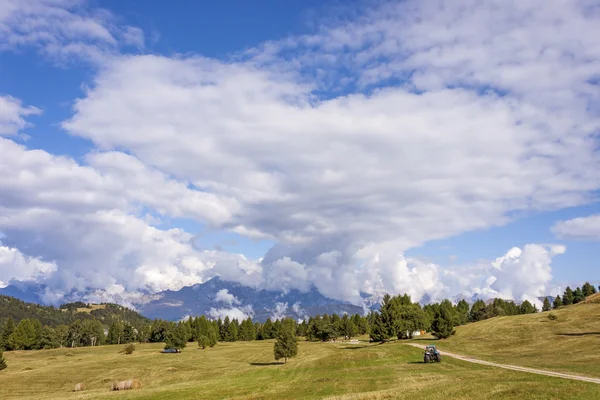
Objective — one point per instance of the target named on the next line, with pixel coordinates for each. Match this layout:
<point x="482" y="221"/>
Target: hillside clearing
<point x="569" y="344"/>
<point x="246" y="370"/>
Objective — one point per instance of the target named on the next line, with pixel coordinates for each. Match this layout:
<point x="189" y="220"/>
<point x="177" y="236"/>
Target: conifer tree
<point x="267" y="329"/>
<point x="212" y="337"/>
<point x="379" y="331"/>
<point x="232" y="332"/>
<point x="2" y="361"/>
<point x="527" y="308"/>
<point x="478" y="311"/>
<point x="175" y="337"/>
<point x="445" y="320"/>
<point x="546" y="306"/>
<point x="588" y="289"/>
<point x="286" y="345"/>
<point x="578" y="296"/>
<point x="7" y="330"/>
<point x="568" y="296"/>
<point x="557" y="302"/>
<point x="462" y="308"/>
<point x="347" y="327"/>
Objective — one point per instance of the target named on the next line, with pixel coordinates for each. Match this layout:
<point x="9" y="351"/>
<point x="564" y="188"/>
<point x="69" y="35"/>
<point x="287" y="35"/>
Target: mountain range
<point x="217" y="298"/>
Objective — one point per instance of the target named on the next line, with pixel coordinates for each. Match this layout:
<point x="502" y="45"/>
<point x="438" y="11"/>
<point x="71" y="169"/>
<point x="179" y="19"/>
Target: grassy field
<point x="92" y="308"/>
<point x="571" y="343"/>
<point x="245" y="370"/>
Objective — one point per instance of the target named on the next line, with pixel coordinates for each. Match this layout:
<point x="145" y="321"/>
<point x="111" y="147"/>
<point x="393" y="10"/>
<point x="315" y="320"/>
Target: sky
<point x="430" y="147"/>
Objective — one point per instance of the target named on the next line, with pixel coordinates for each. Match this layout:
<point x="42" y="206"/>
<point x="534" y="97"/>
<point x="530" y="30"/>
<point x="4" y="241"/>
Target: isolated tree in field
<point x="546" y="306"/>
<point x="445" y="320"/>
<point x="2" y="361"/>
<point x="557" y="302"/>
<point x="286" y="345"/>
<point x="203" y="341"/>
<point x="588" y="289"/>
<point x="568" y="296"/>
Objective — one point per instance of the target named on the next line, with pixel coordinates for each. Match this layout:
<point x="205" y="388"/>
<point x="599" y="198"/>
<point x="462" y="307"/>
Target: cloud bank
<point x="583" y="228"/>
<point x="417" y="121"/>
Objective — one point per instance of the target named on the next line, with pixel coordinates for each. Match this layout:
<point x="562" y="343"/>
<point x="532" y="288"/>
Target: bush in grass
<point x="129" y="349"/>
<point x="552" y="317"/>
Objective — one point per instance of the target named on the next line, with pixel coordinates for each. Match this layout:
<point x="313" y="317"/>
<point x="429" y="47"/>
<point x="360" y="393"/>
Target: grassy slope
<point x="569" y="344"/>
<point x="244" y="371"/>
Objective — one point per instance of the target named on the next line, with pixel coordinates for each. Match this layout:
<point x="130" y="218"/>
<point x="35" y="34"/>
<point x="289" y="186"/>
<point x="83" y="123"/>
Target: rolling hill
<point x="569" y="343"/>
<point x="67" y="313"/>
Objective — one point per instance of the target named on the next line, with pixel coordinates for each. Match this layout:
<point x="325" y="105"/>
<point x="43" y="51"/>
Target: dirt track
<point x="514" y="367"/>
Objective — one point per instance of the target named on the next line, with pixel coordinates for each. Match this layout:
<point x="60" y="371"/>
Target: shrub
<point x="552" y="317"/>
<point x="129" y="348"/>
<point x="2" y="362"/>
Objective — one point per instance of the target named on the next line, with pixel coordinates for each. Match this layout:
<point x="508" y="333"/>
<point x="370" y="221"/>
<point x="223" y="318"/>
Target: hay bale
<point x="79" y="387"/>
<point x="126" y="385"/>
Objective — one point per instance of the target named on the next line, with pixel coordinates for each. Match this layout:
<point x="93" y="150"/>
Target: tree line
<point x="398" y="317"/>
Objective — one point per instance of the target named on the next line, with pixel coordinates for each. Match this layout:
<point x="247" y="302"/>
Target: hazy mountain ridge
<point x="202" y="299"/>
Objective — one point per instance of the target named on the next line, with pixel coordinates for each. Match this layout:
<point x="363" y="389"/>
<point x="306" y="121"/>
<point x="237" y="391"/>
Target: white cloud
<point x="280" y="311"/>
<point x="239" y="313"/>
<point x="63" y="29"/>
<point x="466" y="119"/>
<point x="583" y="228"/>
<point x="300" y="312"/>
<point x="16" y="266"/>
<point x="224" y="296"/>
<point x="12" y="115"/>
<point x="520" y="274"/>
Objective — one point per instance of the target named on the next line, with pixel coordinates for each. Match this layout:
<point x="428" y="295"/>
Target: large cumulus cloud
<point x="443" y="121"/>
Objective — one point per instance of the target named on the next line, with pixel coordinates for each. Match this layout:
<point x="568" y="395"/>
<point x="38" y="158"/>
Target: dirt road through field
<point x="514" y="367"/>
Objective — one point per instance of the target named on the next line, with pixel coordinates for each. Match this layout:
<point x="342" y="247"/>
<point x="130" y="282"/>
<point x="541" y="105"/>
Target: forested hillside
<point x="66" y="313"/>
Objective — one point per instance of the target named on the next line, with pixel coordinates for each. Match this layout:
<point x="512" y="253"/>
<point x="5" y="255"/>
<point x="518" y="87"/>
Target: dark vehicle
<point x="432" y="354"/>
<point x="171" y="351"/>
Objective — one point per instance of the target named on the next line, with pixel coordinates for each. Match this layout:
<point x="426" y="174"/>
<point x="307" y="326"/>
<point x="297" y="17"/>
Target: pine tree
<point x="527" y="308"/>
<point x="347" y="327"/>
<point x="445" y="320"/>
<point x="286" y="345"/>
<point x="546" y="306"/>
<point x="7" y="330"/>
<point x="568" y="297"/>
<point x="588" y="289"/>
<point x="578" y="296"/>
<point x="2" y="361"/>
<point x="267" y="329"/>
<point x="478" y="312"/>
<point x="462" y="308"/>
<point x="212" y="337"/>
<point x="379" y="332"/>
<point x="232" y="332"/>
<point x="557" y="302"/>
<point x="175" y="338"/>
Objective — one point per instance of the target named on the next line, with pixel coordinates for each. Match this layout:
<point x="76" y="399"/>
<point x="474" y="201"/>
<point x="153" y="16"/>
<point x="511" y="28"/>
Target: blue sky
<point x="351" y="142"/>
